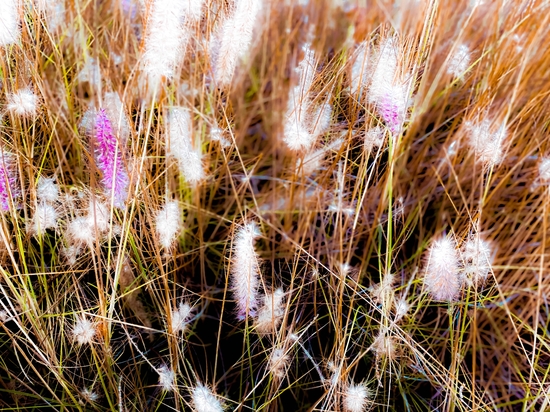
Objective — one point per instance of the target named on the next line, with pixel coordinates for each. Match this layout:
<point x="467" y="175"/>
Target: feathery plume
<point x="204" y="400"/>
<point x="47" y="190"/>
<point x="9" y="180"/>
<point x="387" y="91"/>
<point x="478" y="259"/>
<point x="245" y="270"/>
<point x="359" y="74"/>
<point x="459" y="61"/>
<point x="401" y="307"/>
<point x="180" y="317"/>
<point x="180" y="145"/>
<point x="544" y="170"/>
<point x="9" y="22"/>
<point x="54" y="11"/>
<point x="83" y="331"/>
<point x="193" y="9"/>
<point x="23" y="103"/>
<point x="297" y="133"/>
<point x="168" y="223"/>
<point x="486" y="140"/>
<point x="271" y="313"/>
<point x="166" y="39"/>
<point x="109" y="160"/>
<point x="356" y="397"/>
<point x="374" y="138"/>
<point x="45" y="217"/>
<point x="442" y="277"/>
<point x="166" y="378"/>
<point x="278" y="361"/>
<point x="232" y="41"/>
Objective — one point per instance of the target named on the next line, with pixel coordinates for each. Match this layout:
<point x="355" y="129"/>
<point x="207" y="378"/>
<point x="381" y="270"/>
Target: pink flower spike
<point x="109" y="160"/>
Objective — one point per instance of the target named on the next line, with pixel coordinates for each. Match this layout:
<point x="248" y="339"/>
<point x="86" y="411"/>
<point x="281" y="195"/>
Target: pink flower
<point x="109" y="160"/>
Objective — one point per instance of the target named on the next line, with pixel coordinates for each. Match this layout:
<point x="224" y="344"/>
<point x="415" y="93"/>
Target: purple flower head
<point x="9" y="180"/>
<point x="109" y="160"/>
<point x="391" y="113"/>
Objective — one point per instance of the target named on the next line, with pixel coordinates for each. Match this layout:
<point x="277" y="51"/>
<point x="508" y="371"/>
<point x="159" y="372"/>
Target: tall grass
<point x="303" y="206"/>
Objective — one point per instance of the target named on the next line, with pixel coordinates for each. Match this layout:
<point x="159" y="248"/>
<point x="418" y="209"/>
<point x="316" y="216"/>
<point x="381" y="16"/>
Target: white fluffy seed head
<point x="278" y="362"/>
<point x="83" y="331"/>
<point x="180" y="145"/>
<point x="443" y="277"/>
<point x="359" y="74"/>
<point x="98" y="216"/>
<point x="23" y="103"/>
<point x="478" y="258"/>
<point x="180" y="317"/>
<point x="168" y="223"/>
<point x="374" y="138"/>
<point x="80" y="232"/>
<point x="356" y="397"/>
<point x="271" y="313"/>
<point x="544" y="170"/>
<point x="204" y="400"/>
<point x="459" y="61"/>
<point x="245" y="270"/>
<point x="233" y="40"/>
<point x="401" y="307"/>
<point x="117" y="115"/>
<point x="166" y="39"/>
<point x="45" y="217"/>
<point x="9" y="22"/>
<point x="54" y="12"/>
<point x="167" y="378"/>
<point x="486" y="140"/>
<point x="47" y="190"/>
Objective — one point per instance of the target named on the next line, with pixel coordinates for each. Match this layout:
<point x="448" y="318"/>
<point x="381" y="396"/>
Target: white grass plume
<point x="180" y="317"/>
<point x="47" y="190"/>
<point x="45" y="217"/>
<point x="204" y="400"/>
<point x="166" y="39"/>
<point x="245" y="270"/>
<point x="459" y="61"/>
<point x="232" y="41"/>
<point x="117" y="115"/>
<point x="271" y="313"/>
<point x="359" y="74"/>
<point x="180" y="145"/>
<point x="356" y="397"/>
<point x="443" y="277"/>
<point x="83" y="331"/>
<point x="168" y="223"/>
<point x="486" y="140"/>
<point x="23" y="103"/>
<point x="478" y="259"/>
<point x="167" y="378"/>
<point x="9" y="22"/>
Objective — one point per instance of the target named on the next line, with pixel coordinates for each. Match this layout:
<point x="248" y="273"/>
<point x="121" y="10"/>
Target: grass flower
<point x="23" y="103"/>
<point x="168" y="223"/>
<point x="47" y="190"/>
<point x="356" y="397"/>
<point x="204" y="400"/>
<point x="109" y="160"/>
<point x="233" y="39"/>
<point x="278" y="363"/>
<point x="167" y="378"/>
<point x="9" y="22"/>
<point x="486" y="140"/>
<point x="45" y="217"/>
<point x="271" y="313"/>
<point x="245" y="270"/>
<point x="9" y="181"/>
<point x="478" y="258"/>
<point x="459" y="61"/>
<point x="180" y="145"/>
<point x="83" y="331"/>
<point x="180" y="317"/>
<point x="443" y="277"/>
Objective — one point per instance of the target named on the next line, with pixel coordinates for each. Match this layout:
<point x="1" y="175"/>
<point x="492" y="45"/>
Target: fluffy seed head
<point x="204" y="400"/>
<point x="180" y="145"/>
<point x="356" y="397"/>
<point x="117" y="115"/>
<point x="245" y="270"/>
<point x="271" y="313"/>
<point x="459" y="61"/>
<point x="9" y="22"/>
<point x="359" y="75"/>
<point x="544" y="170"/>
<point x="478" y="259"/>
<point x="45" y="217"/>
<point x="166" y="39"/>
<point x="180" y="317"/>
<point x="232" y="41"/>
<point x="167" y="378"/>
<point x="442" y="276"/>
<point x="47" y="190"/>
<point x="486" y="140"/>
<point x="278" y="362"/>
<point x="374" y="138"/>
<point x="83" y="331"/>
<point x="387" y="91"/>
<point x="23" y="103"/>
<point x="168" y="223"/>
